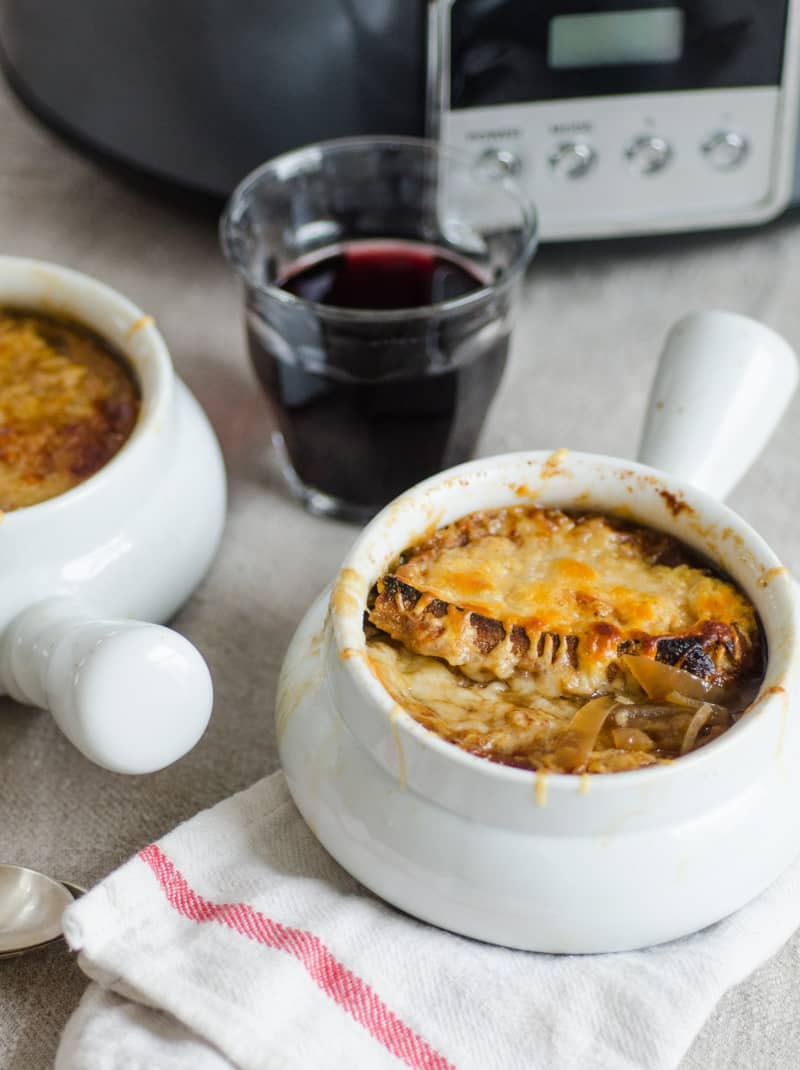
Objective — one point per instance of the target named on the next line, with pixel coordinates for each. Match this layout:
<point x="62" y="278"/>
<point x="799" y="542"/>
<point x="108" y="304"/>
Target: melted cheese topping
<point x="559" y="573"/>
<point x="66" y="406"/>
<point x="509" y="633"/>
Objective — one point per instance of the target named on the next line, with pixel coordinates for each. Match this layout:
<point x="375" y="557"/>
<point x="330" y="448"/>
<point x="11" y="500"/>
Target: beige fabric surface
<point x="593" y="320"/>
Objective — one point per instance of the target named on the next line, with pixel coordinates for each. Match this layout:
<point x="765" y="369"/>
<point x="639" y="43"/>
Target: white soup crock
<point x="555" y="862"/>
<point x="81" y="573"/>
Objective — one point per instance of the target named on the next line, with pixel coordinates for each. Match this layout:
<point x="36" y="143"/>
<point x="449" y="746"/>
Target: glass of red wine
<point x="380" y="280"/>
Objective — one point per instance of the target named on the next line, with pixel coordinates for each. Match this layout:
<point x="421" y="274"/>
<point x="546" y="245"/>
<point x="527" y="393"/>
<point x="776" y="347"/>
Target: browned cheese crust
<point x="563" y="643"/>
<point x="562" y="598"/>
<point x="67" y="404"/>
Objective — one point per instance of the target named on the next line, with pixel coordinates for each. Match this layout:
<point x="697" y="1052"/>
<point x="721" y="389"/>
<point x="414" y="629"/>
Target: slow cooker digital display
<point x="615" y="38"/>
<point x="513" y="51"/>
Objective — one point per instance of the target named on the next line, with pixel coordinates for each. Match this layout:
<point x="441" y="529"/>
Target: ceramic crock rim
<point x="348" y="635"/>
<point x="158" y="394"/>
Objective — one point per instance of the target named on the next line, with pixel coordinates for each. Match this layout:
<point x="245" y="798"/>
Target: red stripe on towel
<point x="343" y="986"/>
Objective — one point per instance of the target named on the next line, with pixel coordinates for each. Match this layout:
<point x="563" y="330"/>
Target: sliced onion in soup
<point x="698" y="721"/>
<point x="584" y="728"/>
<point x="657" y="679"/>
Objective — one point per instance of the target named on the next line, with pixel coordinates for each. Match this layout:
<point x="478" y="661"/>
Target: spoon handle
<point x="722" y="385"/>
<point x="132" y="697"/>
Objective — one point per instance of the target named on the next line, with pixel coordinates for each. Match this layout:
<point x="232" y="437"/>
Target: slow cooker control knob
<point x="649" y="154"/>
<point x="725" y="150"/>
<point x="497" y="163"/>
<point x="572" y="159"/>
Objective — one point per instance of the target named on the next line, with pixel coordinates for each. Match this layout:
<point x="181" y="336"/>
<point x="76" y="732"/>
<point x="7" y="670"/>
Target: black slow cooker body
<point x="201" y="91"/>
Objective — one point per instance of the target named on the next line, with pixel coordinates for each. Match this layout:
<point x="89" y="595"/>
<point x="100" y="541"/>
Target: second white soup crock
<point x="83" y="574"/>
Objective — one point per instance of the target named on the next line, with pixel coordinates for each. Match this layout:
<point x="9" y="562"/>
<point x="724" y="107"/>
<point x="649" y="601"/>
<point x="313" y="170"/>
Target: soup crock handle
<point x="722" y="385"/>
<point x="132" y="697"/>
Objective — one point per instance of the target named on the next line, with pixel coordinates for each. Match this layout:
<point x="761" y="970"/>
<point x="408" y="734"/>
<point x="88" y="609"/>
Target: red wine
<point x="368" y="406"/>
<point x="382" y="275"/>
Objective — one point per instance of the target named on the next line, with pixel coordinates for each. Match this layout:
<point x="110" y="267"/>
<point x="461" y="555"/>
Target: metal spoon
<point x="31" y="906"/>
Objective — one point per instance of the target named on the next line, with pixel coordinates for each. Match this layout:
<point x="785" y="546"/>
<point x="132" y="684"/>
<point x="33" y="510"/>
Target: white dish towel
<point x="238" y="942"/>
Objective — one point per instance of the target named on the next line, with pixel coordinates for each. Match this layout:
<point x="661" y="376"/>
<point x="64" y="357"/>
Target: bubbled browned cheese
<point x="516" y="617"/>
<point x="67" y="404"/>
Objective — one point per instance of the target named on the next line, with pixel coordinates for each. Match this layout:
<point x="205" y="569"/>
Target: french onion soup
<point x="568" y="642"/>
<point x="68" y="402"/>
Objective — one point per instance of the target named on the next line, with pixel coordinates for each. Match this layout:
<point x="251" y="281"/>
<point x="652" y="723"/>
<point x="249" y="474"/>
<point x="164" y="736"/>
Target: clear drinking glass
<point x="380" y="277"/>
